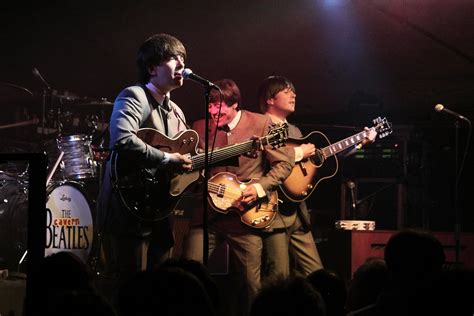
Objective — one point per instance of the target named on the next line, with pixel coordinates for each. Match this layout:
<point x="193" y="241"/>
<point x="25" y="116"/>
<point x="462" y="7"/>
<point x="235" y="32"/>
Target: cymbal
<point x="96" y="103"/>
<point x="89" y="105"/>
<point x="65" y="96"/>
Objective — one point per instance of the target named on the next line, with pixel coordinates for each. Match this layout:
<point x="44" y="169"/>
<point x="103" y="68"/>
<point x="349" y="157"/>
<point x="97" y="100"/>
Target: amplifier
<point x="344" y="250"/>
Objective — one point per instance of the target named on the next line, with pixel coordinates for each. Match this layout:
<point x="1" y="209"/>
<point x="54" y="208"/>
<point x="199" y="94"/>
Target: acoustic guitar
<point x="308" y="173"/>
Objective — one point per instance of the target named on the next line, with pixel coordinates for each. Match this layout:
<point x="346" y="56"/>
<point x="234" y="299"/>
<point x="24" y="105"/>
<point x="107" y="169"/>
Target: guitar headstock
<point x="382" y="127"/>
<point x="277" y="136"/>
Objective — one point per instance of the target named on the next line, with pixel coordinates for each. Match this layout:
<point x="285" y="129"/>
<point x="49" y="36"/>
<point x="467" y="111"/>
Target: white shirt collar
<point x="156" y="94"/>
<point x="232" y="124"/>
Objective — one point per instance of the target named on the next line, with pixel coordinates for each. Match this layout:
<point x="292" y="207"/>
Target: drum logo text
<point x="66" y="231"/>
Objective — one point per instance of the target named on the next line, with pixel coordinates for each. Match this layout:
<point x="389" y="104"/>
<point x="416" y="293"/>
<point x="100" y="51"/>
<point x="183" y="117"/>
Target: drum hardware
<point x="19" y="124"/>
<point x="48" y="179"/>
<point x="53" y="170"/>
<point x="12" y="85"/>
<point x="13" y="215"/>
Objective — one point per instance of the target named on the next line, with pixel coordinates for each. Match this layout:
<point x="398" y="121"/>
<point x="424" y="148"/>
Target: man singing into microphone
<point x="131" y="243"/>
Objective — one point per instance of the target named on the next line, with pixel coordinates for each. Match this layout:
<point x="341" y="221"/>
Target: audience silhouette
<point x="414" y="261"/>
<point x="200" y="271"/>
<point x="166" y="291"/>
<point x="412" y="279"/>
<point x="332" y="288"/>
<point x="293" y="295"/>
<point x="68" y="288"/>
<point x="368" y="282"/>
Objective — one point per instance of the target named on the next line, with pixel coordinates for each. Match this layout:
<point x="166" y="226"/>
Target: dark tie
<point x="166" y="104"/>
<point x="165" y="108"/>
<point x="224" y="128"/>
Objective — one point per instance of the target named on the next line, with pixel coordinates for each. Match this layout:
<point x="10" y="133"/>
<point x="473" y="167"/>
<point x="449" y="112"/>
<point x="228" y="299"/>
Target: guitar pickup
<point x="303" y="168"/>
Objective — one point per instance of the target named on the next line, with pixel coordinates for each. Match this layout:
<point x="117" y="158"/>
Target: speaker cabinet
<point x="345" y="250"/>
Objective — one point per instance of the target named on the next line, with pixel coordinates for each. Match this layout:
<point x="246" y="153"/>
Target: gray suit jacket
<point x="289" y="210"/>
<point x="134" y="108"/>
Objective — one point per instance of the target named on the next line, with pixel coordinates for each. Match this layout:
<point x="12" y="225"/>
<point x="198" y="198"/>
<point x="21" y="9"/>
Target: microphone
<point x="351" y="185"/>
<point x="36" y="72"/>
<point x="189" y="74"/>
<point x="442" y="108"/>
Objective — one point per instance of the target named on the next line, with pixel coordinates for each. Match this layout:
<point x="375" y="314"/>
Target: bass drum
<point x="69" y="220"/>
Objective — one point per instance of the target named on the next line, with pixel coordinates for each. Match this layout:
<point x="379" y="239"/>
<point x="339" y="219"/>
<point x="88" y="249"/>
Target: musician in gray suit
<point x="289" y="245"/>
<point x="290" y="236"/>
<point x="132" y="244"/>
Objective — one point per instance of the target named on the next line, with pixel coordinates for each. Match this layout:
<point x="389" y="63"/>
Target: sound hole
<point x="318" y="158"/>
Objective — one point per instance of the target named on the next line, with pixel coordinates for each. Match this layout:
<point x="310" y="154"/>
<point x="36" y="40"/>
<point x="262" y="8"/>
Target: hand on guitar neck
<point x="179" y="162"/>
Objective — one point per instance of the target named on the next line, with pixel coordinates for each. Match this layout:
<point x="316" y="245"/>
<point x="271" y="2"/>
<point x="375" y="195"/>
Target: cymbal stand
<point x="50" y="175"/>
<point x="43" y="115"/>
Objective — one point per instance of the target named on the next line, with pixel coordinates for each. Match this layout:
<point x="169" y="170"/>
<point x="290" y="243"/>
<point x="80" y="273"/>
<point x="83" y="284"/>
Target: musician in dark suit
<point x="234" y="126"/>
<point x="132" y="244"/>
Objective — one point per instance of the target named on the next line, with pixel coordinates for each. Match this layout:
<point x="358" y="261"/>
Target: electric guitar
<point x="225" y="191"/>
<point x="150" y="193"/>
<point x="309" y="172"/>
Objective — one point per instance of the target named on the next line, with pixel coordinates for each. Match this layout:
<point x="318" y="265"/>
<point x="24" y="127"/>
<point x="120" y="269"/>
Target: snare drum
<point x="69" y="222"/>
<point x="77" y="162"/>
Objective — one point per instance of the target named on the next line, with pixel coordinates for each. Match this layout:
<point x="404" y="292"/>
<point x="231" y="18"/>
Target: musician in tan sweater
<point x="234" y="126"/>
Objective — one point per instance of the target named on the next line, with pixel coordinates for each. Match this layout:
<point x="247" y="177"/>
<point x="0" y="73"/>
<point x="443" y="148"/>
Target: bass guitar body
<point x="225" y="191"/>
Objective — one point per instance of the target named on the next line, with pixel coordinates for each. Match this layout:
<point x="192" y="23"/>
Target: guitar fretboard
<point x="222" y="154"/>
<point x="343" y="144"/>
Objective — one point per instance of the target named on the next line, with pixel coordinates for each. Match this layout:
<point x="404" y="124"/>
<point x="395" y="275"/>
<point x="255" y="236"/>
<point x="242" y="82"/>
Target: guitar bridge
<point x="260" y="220"/>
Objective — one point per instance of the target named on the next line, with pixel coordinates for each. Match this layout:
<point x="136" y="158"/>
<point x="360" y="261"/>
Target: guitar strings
<point x="228" y="191"/>
<point x="224" y="153"/>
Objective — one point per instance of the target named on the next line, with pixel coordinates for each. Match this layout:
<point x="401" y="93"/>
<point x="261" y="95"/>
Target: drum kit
<point x="73" y="133"/>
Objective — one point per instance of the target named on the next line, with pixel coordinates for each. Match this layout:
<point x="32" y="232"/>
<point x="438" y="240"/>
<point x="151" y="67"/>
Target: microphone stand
<point x="457" y="224"/>
<point x="206" y="177"/>
<point x="43" y="116"/>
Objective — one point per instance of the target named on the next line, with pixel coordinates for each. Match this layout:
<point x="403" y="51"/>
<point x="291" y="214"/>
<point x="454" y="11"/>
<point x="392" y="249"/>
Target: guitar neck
<point x="222" y="154"/>
<point x="336" y="148"/>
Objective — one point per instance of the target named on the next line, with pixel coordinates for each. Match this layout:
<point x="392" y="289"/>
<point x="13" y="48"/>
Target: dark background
<point x="351" y="61"/>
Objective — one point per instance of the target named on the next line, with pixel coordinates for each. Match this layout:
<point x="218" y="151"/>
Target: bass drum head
<point x="69" y="221"/>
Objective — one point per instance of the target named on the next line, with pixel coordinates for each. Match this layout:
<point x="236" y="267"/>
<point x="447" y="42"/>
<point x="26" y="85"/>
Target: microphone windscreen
<point x="187" y="72"/>
<point x="439" y="107"/>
